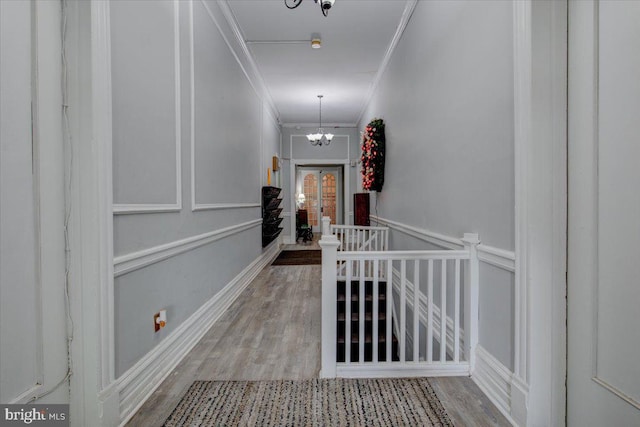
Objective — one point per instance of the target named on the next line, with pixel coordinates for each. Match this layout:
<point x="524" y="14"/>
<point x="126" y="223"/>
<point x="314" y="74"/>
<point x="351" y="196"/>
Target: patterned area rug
<point x="317" y="402"/>
<point x="299" y="257"/>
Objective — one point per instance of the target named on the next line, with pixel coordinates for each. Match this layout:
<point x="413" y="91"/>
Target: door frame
<point x="295" y="163"/>
<point x="321" y="170"/>
<point x="538" y="392"/>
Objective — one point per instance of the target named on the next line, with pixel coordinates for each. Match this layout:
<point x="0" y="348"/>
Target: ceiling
<point x="357" y="38"/>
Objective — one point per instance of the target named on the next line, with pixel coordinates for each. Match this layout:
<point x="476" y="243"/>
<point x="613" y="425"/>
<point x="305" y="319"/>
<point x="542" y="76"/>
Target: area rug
<point x="315" y="402"/>
<point x="301" y="257"/>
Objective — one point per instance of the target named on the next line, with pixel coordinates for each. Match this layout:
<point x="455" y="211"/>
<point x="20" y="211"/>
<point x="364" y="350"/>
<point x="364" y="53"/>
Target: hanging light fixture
<point x="320" y="138"/>
<point x="325" y="5"/>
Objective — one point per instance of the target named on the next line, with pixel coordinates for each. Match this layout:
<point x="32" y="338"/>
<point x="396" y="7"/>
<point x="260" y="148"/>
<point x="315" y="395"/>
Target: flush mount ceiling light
<point x="320" y="138"/>
<point x="325" y="5"/>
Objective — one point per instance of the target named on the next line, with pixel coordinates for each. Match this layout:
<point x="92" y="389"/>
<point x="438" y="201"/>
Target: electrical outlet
<point x="160" y="320"/>
<point x="156" y="322"/>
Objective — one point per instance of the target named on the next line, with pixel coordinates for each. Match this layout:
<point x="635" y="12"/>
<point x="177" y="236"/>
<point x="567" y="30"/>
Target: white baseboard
<point x="501" y="386"/>
<point x="140" y="381"/>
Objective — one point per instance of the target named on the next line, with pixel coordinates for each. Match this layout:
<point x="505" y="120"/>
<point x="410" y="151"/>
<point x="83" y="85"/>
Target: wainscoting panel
<point x="139" y="382"/>
<point x="145" y="79"/>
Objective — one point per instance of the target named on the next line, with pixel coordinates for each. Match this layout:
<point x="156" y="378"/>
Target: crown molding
<point x="402" y="25"/>
<point x="324" y="125"/>
<point x="242" y="51"/>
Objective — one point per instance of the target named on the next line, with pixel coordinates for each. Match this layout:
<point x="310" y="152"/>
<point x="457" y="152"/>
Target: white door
<point x="603" y="366"/>
<point x="322" y="189"/>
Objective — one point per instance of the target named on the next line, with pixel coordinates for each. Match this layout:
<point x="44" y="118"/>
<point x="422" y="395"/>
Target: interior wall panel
<point x="146" y="116"/>
<point x="227" y="122"/>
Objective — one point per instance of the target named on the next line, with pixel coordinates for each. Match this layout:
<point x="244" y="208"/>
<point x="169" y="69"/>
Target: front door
<point x="603" y="368"/>
<point x="322" y="189"/>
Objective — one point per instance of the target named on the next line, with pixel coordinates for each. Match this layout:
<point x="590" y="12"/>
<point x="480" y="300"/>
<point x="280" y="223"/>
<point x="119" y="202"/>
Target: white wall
<point x="447" y="101"/>
<point x="192" y="141"/>
<point x="33" y="350"/>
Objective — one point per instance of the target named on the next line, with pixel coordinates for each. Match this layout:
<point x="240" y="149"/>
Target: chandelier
<point x="320" y="138"/>
<point x="325" y="5"/>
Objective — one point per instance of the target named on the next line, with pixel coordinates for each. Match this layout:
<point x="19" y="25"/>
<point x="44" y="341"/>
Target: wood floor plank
<point x="272" y="331"/>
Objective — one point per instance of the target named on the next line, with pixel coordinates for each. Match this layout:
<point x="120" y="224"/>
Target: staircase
<point x="368" y="320"/>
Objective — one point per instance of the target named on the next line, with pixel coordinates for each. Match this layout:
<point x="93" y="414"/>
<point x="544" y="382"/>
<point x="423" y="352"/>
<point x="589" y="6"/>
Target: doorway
<point x="319" y="190"/>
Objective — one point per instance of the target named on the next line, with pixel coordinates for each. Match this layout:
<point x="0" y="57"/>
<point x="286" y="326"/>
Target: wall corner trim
<point x="140" y="381"/>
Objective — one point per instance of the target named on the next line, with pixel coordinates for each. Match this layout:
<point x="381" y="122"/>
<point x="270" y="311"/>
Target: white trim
<point x="129" y="209"/>
<point x="325" y="125"/>
<point x="500" y="258"/>
<point x="142" y="208"/>
<point x="136" y="260"/>
<point x="197" y="207"/>
<point x="402" y="25"/>
<point x="523" y="56"/>
<point x="497" y="382"/>
<point x="497" y="257"/>
<point x="102" y="116"/>
<point x="440" y="240"/>
<point x="213" y="206"/>
<point x="138" y="383"/>
<point x="246" y="54"/>
<point x="397" y="370"/>
<point x="89" y="202"/>
<point x="27" y="396"/>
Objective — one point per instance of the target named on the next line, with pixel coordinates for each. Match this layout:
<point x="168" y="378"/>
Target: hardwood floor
<point x="272" y="331"/>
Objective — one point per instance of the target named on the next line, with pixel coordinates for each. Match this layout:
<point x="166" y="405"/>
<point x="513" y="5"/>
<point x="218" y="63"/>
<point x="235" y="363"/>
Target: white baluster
<point x="375" y="314"/>
<point x="456" y="318"/>
<point x="403" y="309"/>
<point x="416" y="311"/>
<point x="347" y="313"/>
<point x="361" y="319"/>
<point x="389" y="338"/>
<point x="430" y="312"/>
<point x="443" y="312"/>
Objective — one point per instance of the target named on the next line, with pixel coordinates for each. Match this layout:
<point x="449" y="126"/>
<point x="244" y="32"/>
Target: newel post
<point x="471" y="298"/>
<point x="329" y="244"/>
<point x="326" y="225"/>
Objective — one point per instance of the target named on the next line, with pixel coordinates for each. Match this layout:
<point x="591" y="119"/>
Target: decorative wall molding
<point x="142" y="208"/>
<point x="140" y="381"/>
<point x="499" y="384"/>
<point x="213" y="206"/>
<point x="196" y="207"/>
<point x="497" y="257"/>
<point x="402" y="25"/>
<point x="242" y="52"/>
<point x="136" y="260"/>
<point x="445" y="242"/>
<point x="523" y="82"/>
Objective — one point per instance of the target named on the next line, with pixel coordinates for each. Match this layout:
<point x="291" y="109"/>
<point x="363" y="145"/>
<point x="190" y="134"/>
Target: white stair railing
<point x="428" y="300"/>
<point x="358" y="238"/>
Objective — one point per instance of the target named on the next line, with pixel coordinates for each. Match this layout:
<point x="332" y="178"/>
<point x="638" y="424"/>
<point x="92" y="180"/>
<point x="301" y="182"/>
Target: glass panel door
<point x="311" y="203"/>
<point x="329" y="195"/>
